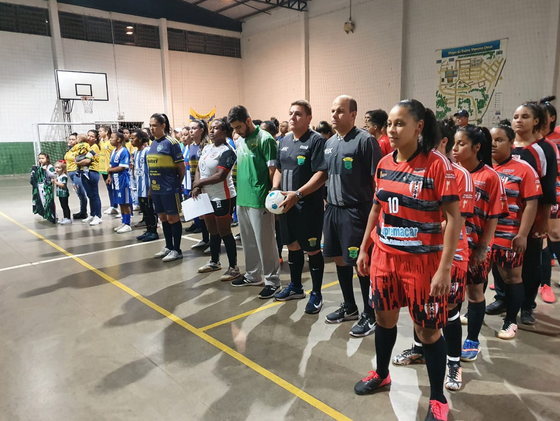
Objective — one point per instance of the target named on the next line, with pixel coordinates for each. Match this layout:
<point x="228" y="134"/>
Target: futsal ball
<point x="273" y="201"/>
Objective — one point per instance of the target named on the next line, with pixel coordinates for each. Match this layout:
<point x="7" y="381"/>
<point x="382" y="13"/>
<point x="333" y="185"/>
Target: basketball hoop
<point x="87" y="102"/>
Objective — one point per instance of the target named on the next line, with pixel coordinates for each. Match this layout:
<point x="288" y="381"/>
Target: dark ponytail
<point x="430" y="137"/>
<point x="480" y="136"/>
<point x="550" y="109"/>
<point x="539" y="112"/>
<point x="447" y="129"/>
<point x="163" y="120"/>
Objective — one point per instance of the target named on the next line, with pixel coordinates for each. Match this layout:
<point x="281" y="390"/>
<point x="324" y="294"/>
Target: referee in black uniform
<point x="351" y="155"/>
<point x="300" y="173"/>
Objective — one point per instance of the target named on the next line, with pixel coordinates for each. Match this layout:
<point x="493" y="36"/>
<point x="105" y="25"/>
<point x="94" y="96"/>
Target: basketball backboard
<point x="73" y="85"/>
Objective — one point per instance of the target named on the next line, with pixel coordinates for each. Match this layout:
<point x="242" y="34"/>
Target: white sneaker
<point x="117" y="215"/>
<point x="173" y="255"/>
<point x="66" y="221"/>
<point x="136" y="208"/>
<point x="96" y="221"/>
<point x="87" y="220"/>
<point x="124" y="228"/>
<point x="119" y="227"/>
<point x="160" y="254"/>
<point x="111" y="211"/>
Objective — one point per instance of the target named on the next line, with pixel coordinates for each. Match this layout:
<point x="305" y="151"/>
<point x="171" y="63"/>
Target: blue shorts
<point x="121" y="196"/>
<point x="168" y="203"/>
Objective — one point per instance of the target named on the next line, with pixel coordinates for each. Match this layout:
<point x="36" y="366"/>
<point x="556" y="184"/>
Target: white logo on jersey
<point x="328" y="151"/>
<point x="415" y="188"/>
<point x="284" y="149"/>
<point x="304" y="147"/>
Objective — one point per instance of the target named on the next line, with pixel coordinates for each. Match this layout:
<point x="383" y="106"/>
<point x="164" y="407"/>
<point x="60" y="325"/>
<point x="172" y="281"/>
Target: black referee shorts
<point x="344" y="230"/>
<point x="304" y="224"/>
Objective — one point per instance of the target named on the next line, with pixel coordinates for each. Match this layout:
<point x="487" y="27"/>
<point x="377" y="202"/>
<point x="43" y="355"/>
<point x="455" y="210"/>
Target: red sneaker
<point x="547" y="294"/>
<point x="371" y="383"/>
<point x="438" y="411"/>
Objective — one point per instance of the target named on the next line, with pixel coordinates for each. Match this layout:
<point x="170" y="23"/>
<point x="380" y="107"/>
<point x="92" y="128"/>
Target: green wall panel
<point x="18" y="157"/>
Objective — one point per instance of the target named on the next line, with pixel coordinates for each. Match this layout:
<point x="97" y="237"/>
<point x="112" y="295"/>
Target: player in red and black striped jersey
<point x="412" y="258"/>
<point x="529" y="119"/>
<point x="523" y="188"/>
<point x="376" y="124"/>
<point x="472" y="151"/>
<point x="452" y="330"/>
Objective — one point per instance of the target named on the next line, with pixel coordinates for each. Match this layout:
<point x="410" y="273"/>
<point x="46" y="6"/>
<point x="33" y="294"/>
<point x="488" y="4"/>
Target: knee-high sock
<point x="176" y="233"/>
<point x="514" y="300"/>
<point x="453" y="334"/>
<point x="205" y="233"/>
<point x="317" y="269"/>
<point x="231" y="250"/>
<point x="296" y="262"/>
<point x="345" y="274"/>
<point x="436" y="364"/>
<point x="215" y="244"/>
<point x="476" y="318"/>
<point x="168" y="234"/>
<point x="384" y="342"/>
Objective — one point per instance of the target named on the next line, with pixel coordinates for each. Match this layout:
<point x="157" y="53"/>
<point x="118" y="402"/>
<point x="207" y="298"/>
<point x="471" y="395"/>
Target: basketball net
<point x="87" y="102"/>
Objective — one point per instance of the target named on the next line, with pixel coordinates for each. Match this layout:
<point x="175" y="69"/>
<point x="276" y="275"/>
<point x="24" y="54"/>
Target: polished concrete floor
<point x="94" y="328"/>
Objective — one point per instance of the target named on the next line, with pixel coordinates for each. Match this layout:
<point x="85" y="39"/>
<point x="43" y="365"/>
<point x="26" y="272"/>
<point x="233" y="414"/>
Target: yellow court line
<point x="304" y="396"/>
<point x="249" y="313"/>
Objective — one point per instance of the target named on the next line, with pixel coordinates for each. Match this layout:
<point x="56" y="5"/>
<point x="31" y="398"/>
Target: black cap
<point x="462" y="113"/>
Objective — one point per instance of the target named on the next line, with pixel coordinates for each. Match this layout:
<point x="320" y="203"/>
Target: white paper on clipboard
<point x="193" y="208"/>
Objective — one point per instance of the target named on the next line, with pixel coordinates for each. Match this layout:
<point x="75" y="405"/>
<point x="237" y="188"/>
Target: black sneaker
<point x="150" y="236"/>
<point x="244" y="282"/>
<point x="190" y="229"/>
<point x="268" y="291"/>
<point x="342" y="314"/>
<point x="371" y="383"/>
<point x="527" y="317"/>
<point x="141" y="237"/>
<point x="495" y="308"/>
<point x="80" y="215"/>
<point x="365" y="326"/>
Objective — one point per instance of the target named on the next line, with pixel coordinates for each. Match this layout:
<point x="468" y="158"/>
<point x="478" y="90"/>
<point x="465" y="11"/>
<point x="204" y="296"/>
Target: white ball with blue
<point x="273" y="201"/>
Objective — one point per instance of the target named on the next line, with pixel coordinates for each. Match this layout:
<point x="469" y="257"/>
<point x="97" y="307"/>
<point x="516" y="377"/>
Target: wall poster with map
<point x="468" y="79"/>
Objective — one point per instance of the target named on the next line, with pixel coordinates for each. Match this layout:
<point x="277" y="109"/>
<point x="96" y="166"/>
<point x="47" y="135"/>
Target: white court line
<point x="42" y="262"/>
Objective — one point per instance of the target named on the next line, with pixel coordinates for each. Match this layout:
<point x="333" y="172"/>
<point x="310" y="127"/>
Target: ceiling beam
<point x="196" y="3"/>
<point x="231" y="6"/>
<point x="256" y="13"/>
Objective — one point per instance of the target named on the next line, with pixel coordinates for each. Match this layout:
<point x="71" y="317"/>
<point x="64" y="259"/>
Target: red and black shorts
<point x="554" y="212"/>
<point x="458" y="285"/>
<point x="404" y="281"/>
<point x="479" y="275"/>
<point x="507" y="258"/>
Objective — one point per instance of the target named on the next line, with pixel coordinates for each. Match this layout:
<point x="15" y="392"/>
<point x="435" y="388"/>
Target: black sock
<point x="417" y="346"/>
<point x="231" y="250"/>
<point x="204" y="230"/>
<point x="365" y="286"/>
<point x="345" y="274"/>
<point x="546" y="265"/>
<point x="296" y="261"/>
<point x="176" y="229"/>
<point x="168" y="234"/>
<point x="514" y="298"/>
<point x="453" y="333"/>
<point x="278" y="238"/>
<point x="215" y="244"/>
<point x="384" y="342"/>
<point x="435" y="355"/>
<point x="476" y="318"/>
<point x="317" y="269"/>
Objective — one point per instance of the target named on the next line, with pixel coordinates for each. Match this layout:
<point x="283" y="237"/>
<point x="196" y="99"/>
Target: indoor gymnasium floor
<point x="94" y="328"/>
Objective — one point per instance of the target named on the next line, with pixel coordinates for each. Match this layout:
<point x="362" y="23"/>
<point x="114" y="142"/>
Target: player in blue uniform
<point x="119" y="178"/>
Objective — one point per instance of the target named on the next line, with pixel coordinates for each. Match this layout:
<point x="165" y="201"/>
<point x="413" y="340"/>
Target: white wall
<point x="392" y="53"/>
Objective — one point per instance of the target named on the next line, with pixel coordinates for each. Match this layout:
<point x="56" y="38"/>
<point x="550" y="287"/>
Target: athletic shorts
<point x="121" y="196"/>
<point x="168" y="203"/>
<point x="404" y="281"/>
<point x="458" y="285"/>
<point x="343" y="231"/>
<point x="223" y="208"/>
<point x="303" y="223"/>
<point x="479" y="275"/>
<point x="507" y="259"/>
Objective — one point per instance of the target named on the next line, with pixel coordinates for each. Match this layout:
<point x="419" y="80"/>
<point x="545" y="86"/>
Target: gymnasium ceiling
<point x="222" y="14"/>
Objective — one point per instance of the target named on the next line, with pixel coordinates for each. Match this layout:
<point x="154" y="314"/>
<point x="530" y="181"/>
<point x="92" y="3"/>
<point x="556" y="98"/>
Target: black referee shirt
<point x="351" y="163"/>
<point x="299" y="159"/>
